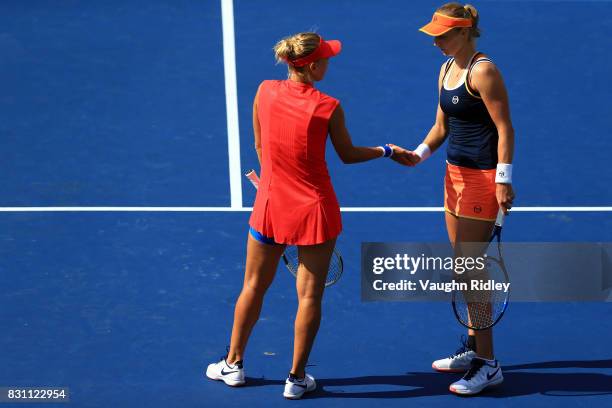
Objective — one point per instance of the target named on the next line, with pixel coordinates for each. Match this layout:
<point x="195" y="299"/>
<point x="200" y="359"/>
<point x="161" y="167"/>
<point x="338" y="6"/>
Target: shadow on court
<point x="516" y="383"/>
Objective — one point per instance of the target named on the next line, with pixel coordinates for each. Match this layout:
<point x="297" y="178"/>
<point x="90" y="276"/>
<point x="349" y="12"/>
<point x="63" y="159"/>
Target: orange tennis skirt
<point x="470" y="193"/>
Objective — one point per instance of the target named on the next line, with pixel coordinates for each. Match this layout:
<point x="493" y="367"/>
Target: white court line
<point x="124" y="209"/>
<point x="249" y="209"/>
<point x="441" y="209"/>
<point x="231" y="103"/>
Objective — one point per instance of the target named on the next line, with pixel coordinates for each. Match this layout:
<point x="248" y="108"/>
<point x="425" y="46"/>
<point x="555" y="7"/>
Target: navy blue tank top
<point x="472" y="136"/>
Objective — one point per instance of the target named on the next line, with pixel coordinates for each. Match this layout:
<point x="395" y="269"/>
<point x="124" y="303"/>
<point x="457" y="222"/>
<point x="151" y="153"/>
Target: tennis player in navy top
<point x="474" y="115"/>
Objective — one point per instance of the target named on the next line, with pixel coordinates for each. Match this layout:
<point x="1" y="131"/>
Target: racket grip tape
<point x="499" y="221"/>
<point x="253" y="178"/>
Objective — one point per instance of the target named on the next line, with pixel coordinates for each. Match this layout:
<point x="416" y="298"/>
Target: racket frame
<point x="294" y="269"/>
<point x="499" y="224"/>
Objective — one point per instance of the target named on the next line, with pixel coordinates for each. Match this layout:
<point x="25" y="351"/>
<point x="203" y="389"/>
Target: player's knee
<point x="310" y="293"/>
<point x="256" y="286"/>
<point x="310" y="300"/>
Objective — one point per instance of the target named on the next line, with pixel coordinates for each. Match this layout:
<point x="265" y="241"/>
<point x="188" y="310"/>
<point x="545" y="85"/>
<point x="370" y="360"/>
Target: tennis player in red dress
<point x="296" y="203"/>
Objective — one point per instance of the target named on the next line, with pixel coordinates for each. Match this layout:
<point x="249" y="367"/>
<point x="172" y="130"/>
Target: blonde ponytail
<point x="283" y="50"/>
<point x="473" y="14"/>
<point x="296" y="46"/>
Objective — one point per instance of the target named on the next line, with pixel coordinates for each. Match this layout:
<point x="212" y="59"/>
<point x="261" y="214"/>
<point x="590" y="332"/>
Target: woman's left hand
<point x="505" y="196"/>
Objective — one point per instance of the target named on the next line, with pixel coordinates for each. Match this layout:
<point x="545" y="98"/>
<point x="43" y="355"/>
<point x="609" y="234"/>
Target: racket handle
<point x="253" y="178"/>
<point x="499" y="221"/>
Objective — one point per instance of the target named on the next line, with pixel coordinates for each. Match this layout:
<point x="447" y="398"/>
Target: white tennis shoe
<point x="232" y="375"/>
<point x="295" y="388"/>
<point x="482" y="374"/>
<point x="459" y="362"/>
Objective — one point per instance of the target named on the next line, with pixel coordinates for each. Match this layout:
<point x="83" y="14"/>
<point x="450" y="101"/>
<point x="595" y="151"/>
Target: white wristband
<point x="504" y="173"/>
<point x="423" y="151"/>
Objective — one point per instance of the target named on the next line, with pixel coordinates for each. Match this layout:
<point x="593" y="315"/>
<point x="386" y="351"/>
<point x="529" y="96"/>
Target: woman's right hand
<point x="403" y="156"/>
<point x="505" y="196"/>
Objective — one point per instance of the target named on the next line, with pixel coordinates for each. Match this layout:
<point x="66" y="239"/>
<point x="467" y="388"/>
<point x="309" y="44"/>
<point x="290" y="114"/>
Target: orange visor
<point x="441" y="24"/>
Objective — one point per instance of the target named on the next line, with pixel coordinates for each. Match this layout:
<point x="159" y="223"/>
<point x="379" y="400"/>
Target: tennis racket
<point x="290" y="256"/>
<point x="482" y="309"/>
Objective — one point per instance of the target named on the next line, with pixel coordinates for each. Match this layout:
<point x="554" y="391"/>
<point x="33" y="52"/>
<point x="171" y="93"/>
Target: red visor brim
<point x="331" y="48"/>
<point x="326" y="49"/>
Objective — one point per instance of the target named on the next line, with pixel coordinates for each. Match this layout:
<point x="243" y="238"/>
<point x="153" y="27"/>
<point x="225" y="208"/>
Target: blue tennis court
<point x="123" y="221"/>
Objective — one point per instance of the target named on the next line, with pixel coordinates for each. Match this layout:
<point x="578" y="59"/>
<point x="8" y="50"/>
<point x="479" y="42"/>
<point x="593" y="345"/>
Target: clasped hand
<point x="403" y="156"/>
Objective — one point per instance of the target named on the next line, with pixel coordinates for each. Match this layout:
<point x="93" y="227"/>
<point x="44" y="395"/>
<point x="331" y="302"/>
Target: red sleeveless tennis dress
<point x="295" y="203"/>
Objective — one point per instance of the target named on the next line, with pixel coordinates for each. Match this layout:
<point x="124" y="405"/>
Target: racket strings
<point x="483" y="312"/>
<point x="335" y="269"/>
<point x="290" y="256"/>
<point x="291" y="259"/>
<point x="481" y="309"/>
